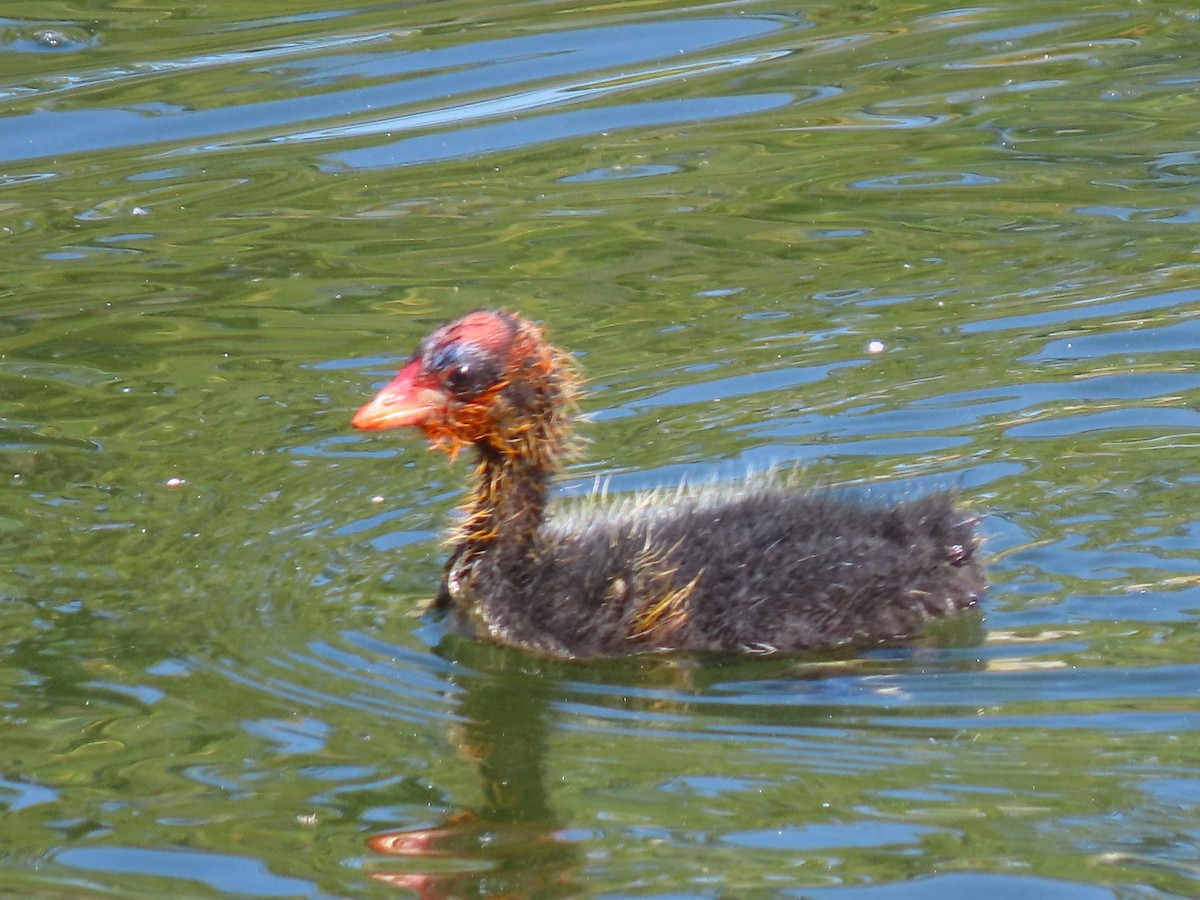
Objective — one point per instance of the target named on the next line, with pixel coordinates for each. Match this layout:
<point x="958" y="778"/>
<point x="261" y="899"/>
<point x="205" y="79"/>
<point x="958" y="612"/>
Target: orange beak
<point x="403" y="402"/>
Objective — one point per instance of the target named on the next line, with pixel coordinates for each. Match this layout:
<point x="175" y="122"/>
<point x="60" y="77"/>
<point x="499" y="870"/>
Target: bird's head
<point x="488" y="379"/>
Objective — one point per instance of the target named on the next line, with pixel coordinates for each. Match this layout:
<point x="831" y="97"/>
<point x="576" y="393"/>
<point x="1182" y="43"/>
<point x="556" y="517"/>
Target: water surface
<point x="220" y="233"/>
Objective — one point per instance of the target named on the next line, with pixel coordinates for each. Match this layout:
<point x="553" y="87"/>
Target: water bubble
<point x="60" y="38"/>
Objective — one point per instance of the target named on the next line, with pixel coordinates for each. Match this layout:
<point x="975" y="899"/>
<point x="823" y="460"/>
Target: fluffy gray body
<point x="768" y="569"/>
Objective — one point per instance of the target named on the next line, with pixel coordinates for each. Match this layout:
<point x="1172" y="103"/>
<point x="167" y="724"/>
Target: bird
<point x="763" y="566"/>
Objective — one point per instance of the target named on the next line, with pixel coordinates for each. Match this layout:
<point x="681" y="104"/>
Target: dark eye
<point x="459" y="378"/>
<point x="465" y="369"/>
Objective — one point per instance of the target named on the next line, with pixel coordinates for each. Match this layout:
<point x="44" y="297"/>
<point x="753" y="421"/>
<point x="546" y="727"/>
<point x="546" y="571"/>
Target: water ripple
<point x="409" y="78"/>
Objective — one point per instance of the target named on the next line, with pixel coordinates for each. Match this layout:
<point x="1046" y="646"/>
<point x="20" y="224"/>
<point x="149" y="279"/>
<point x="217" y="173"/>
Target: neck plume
<point x="520" y="455"/>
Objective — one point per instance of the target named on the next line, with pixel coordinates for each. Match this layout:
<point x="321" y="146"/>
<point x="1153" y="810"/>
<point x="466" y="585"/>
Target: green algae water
<point x="894" y="246"/>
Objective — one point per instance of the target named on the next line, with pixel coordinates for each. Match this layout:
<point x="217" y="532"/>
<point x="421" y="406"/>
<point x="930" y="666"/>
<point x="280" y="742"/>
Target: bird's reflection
<point x="508" y="845"/>
<point x="512" y="843"/>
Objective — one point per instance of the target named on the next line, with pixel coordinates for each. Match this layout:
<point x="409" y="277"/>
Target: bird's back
<point x="772" y="568"/>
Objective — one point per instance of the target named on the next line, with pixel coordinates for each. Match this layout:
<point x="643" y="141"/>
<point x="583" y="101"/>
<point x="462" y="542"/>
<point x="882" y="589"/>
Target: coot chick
<point x="761" y="568"/>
